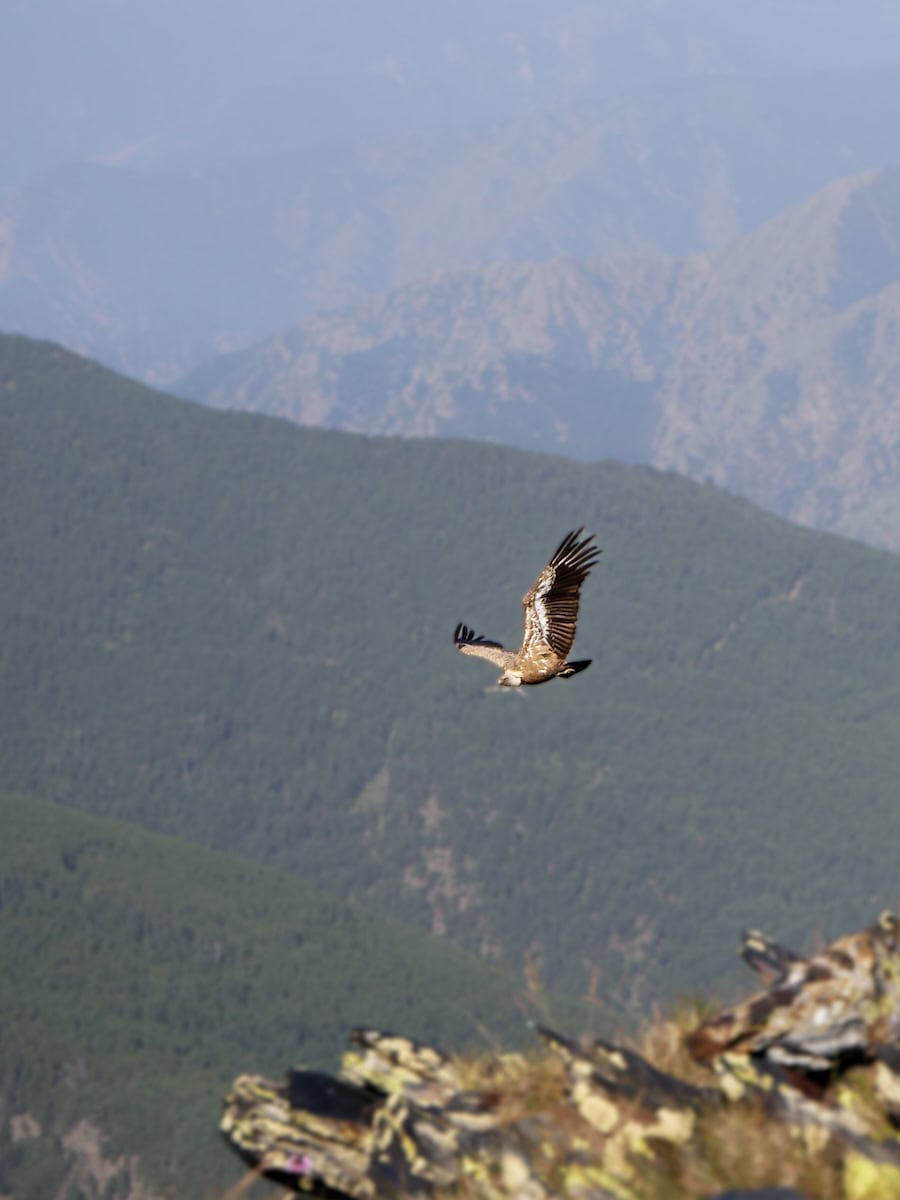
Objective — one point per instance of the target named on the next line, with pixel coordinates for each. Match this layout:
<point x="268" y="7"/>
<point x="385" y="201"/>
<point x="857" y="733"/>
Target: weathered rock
<point x="809" y="1067"/>
<point x="818" y="1012"/>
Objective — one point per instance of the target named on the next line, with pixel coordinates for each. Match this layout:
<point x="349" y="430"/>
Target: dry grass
<point x="551" y="1144"/>
<point x="733" y="1145"/>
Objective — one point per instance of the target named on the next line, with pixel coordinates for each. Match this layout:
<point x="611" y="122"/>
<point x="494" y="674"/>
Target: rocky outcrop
<point x="794" y="1092"/>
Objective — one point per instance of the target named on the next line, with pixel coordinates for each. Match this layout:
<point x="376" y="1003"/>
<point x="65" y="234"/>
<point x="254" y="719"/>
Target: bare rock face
<point x="793" y="1093"/>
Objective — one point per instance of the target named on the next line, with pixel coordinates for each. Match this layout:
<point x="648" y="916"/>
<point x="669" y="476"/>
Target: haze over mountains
<point x="155" y="82"/>
<point x="153" y="271"/>
<point x="769" y="366"/>
<point x="614" y="131"/>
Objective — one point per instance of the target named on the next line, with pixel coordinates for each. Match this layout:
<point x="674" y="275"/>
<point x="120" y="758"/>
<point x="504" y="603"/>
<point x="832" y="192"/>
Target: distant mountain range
<point x="154" y="271"/>
<point x="770" y="366"/>
<point x="620" y="280"/>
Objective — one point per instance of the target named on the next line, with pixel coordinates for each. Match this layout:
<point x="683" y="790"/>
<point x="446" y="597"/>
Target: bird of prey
<point x="551" y="614"/>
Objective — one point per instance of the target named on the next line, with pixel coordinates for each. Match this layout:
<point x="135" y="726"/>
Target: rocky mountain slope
<point x="154" y="271"/>
<point x="770" y="366"/>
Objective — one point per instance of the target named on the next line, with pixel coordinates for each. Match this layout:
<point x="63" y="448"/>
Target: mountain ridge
<point x="671" y="169"/>
<point x="676" y="362"/>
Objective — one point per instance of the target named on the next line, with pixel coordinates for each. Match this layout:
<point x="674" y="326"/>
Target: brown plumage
<point x="551" y="615"/>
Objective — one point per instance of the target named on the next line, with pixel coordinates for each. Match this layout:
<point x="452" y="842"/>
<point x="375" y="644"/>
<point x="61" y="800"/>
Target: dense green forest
<point x="141" y="974"/>
<point x="233" y="630"/>
<point x="227" y="629"/>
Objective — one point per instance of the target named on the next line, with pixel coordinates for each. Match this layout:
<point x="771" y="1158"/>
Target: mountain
<point x="548" y="356"/>
<point x="140" y="973"/>
<point x="237" y="631"/>
<point x="769" y="366"/>
<point x="231" y="250"/>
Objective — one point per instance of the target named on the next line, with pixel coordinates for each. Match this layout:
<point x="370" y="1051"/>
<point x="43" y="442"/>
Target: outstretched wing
<point x="469" y="642"/>
<point x="551" y="606"/>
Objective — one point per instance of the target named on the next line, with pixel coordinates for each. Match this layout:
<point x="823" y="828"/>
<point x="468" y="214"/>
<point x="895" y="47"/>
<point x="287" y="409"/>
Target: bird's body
<point x="550" y="617"/>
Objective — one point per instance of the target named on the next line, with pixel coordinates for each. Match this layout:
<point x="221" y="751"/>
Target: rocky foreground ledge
<point x="795" y="1092"/>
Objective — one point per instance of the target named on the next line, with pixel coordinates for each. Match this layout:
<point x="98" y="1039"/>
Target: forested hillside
<point x="141" y="973"/>
<point x="237" y="631"/>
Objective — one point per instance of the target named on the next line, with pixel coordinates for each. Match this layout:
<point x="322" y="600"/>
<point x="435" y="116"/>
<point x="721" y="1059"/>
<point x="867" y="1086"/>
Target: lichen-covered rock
<point x="795" y="1092"/>
<point x="819" y="1011"/>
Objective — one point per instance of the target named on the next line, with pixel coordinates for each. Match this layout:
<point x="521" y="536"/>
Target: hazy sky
<point x="177" y="81"/>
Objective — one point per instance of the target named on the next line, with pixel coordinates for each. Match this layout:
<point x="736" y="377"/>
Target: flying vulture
<point x="551" y="613"/>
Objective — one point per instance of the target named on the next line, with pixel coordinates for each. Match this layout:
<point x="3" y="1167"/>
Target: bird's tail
<point x="572" y="668"/>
